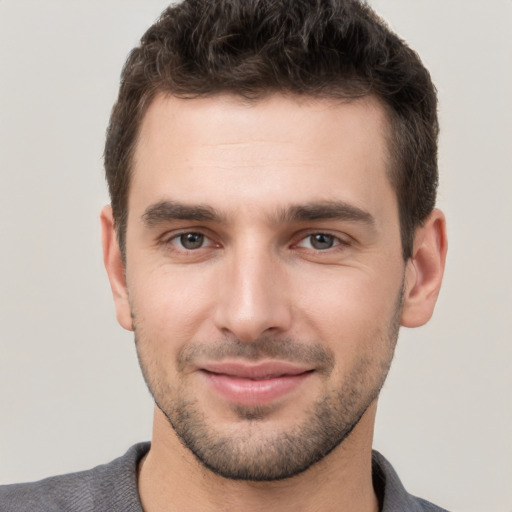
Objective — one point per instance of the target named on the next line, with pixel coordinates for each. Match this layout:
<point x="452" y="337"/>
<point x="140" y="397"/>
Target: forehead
<point x="277" y="148"/>
<point x="242" y="119"/>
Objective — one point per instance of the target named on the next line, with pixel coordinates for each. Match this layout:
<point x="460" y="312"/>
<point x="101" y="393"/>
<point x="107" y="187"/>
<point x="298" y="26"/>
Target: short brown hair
<point x="321" y="48"/>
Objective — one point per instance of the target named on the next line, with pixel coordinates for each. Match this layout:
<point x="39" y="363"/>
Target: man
<point x="272" y="171"/>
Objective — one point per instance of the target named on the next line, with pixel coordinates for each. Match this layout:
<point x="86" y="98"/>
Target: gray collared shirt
<point x="112" y="487"/>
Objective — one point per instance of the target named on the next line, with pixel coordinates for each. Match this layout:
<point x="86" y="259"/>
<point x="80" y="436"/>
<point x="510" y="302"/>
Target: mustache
<point x="287" y="349"/>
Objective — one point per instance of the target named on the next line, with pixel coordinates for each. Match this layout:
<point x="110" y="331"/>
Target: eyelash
<point x="338" y="243"/>
<point x="169" y="242"/>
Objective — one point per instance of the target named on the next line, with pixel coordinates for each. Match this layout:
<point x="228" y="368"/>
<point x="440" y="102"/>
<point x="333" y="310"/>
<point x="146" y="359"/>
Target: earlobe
<point x="424" y="271"/>
<point x="114" y="266"/>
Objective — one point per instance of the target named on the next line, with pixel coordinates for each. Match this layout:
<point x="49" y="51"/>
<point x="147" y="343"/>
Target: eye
<point x="319" y="241"/>
<point x="190" y="241"/>
<point x="188" y="246"/>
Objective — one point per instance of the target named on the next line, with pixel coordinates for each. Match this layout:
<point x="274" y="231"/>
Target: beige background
<point x="70" y="391"/>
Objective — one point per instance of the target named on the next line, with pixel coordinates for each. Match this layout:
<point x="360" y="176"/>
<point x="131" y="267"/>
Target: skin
<point x="257" y="276"/>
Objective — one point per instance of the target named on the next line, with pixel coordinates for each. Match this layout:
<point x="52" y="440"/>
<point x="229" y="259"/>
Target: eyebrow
<point x="326" y="210"/>
<point x="167" y="211"/>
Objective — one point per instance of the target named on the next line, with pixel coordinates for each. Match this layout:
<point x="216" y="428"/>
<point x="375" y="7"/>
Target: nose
<point x="253" y="299"/>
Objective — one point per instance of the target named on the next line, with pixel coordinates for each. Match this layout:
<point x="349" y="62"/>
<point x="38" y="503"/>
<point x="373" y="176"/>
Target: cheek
<point x="170" y="305"/>
<point x="352" y="310"/>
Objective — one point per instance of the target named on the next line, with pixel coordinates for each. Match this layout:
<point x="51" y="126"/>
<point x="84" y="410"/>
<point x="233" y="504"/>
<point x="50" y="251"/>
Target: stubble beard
<point x="252" y="452"/>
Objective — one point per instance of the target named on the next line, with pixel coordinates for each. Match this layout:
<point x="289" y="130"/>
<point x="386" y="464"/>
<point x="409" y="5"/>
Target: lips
<point x="254" y="384"/>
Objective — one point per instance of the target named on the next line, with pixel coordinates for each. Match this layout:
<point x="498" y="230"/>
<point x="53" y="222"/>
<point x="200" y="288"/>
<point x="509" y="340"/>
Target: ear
<point x="424" y="271"/>
<point x="115" y="268"/>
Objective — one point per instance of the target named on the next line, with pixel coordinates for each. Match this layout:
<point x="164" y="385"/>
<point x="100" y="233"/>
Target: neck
<point x="171" y="479"/>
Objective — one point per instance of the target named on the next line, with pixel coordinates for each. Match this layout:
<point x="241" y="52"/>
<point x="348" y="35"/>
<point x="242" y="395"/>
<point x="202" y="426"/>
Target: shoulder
<point x="392" y="494"/>
<point x="109" y="487"/>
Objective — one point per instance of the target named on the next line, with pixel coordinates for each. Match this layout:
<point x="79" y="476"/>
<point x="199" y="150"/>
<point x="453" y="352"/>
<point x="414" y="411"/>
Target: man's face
<point x="264" y="274"/>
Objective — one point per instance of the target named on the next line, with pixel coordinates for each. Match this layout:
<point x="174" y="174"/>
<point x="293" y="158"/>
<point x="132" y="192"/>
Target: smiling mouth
<point x="255" y="384"/>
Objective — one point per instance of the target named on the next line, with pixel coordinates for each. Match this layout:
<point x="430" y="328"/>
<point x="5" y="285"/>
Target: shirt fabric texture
<point x="112" y="487"/>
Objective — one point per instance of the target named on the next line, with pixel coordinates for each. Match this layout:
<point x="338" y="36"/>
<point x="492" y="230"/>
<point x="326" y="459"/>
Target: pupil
<point x="192" y="240"/>
<point x="322" y="241"/>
